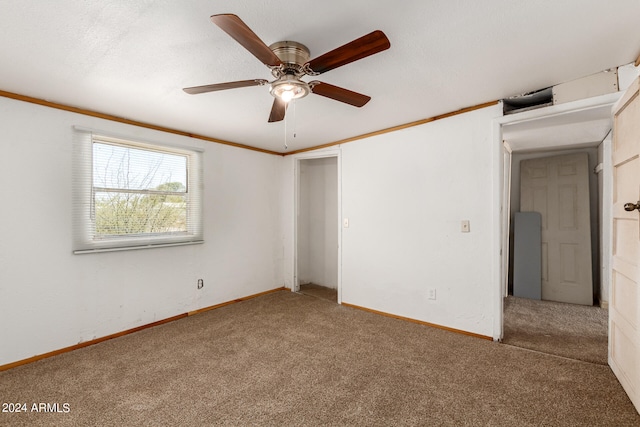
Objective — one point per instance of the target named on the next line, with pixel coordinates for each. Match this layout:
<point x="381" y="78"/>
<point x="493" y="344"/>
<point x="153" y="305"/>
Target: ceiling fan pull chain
<point x="285" y="133"/>
<point x="294" y="119"/>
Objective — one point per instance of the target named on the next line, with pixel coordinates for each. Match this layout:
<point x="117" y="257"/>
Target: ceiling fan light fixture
<point x="289" y="61"/>
<point x="289" y="87"/>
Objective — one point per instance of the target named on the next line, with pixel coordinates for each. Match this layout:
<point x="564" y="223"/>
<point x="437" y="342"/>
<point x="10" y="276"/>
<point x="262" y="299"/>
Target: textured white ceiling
<point x="132" y="58"/>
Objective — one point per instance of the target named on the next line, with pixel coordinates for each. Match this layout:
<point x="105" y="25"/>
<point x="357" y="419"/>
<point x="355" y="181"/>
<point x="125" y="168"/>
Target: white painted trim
<point x="560" y="109"/>
<point x="497" y="270"/>
<point x="506" y="214"/>
<point x="598" y="168"/>
<point x="504" y="205"/>
<point x="133" y="248"/>
<point x="606" y="242"/>
<point x="507" y="147"/>
<point x="318" y="154"/>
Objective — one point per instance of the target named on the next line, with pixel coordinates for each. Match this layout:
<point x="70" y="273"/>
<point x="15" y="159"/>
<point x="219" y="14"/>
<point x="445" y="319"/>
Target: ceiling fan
<point x="289" y="62"/>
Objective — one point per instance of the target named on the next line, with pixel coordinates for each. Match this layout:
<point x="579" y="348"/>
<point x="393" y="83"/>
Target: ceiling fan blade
<point x="241" y="33"/>
<point x="339" y="94"/>
<point x="369" y="44"/>
<point x="223" y="86"/>
<point x="277" y="110"/>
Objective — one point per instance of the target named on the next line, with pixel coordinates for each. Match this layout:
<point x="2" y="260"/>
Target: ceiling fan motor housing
<point x="288" y="85"/>
<point x="293" y="56"/>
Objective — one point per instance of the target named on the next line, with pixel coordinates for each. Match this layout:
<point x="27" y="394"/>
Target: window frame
<point x="87" y="240"/>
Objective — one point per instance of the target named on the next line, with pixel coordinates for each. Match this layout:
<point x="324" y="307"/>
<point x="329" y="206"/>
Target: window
<point x="132" y="195"/>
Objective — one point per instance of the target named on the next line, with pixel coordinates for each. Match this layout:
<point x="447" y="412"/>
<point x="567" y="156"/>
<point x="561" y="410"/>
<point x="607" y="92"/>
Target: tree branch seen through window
<point x="138" y="191"/>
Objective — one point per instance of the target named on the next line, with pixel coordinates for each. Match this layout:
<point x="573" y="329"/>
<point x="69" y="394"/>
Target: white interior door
<point x="558" y="188"/>
<point x="624" y="307"/>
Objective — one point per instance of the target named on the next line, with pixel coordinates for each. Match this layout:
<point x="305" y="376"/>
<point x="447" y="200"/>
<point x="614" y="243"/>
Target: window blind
<point x="134" y="195"/>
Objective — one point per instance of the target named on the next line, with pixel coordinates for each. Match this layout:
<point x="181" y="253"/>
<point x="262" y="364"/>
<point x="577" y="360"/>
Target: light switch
<point x="464" y="226"/>
<point x="345" y="222"/>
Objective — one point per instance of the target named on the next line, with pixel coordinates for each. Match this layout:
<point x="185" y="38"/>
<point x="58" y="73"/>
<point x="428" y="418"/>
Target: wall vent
<point x="527" y="101"/>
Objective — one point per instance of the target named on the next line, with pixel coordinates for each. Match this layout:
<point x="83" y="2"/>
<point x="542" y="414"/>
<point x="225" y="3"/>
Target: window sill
<point x="131" y="248"/>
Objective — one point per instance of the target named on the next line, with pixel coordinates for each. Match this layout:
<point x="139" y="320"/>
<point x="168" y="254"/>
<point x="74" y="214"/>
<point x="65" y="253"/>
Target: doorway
<point x="576" y="126"/>
<point x="317" y="228"/>
<point x="565" y="318"/>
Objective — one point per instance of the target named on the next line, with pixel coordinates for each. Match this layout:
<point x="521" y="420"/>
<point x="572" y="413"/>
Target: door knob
<point x="629" y="207"/>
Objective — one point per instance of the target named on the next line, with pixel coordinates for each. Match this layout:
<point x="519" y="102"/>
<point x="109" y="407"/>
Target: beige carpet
<point x="568" y="330"/>
<point x="289" y="359"/>
<point x="319" y="292"/>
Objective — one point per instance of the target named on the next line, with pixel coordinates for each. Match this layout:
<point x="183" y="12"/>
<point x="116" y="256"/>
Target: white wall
<point x="405" y="194"/>
<point x="318" y="222"/>
<point x="51" y="299"/>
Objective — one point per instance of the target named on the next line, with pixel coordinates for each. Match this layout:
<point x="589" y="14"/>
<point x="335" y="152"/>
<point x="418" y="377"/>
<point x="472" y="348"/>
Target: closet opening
<point x="318" y="228"/>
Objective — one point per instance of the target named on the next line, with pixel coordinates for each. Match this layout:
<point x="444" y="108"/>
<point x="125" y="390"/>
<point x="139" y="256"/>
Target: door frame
<point x="502" y="156"/>
<point x="297" y="158"/>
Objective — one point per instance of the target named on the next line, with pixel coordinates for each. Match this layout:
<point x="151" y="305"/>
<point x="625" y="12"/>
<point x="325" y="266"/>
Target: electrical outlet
<point x="200" y="283"/>
<point x="431" y="293"/>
